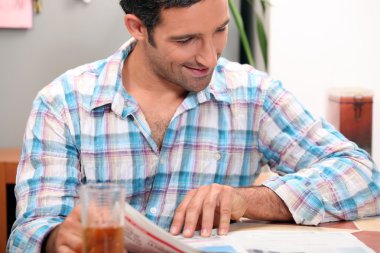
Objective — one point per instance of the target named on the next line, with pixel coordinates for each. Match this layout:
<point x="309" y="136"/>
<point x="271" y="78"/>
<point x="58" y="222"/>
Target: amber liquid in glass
<point x="103" y="240"/>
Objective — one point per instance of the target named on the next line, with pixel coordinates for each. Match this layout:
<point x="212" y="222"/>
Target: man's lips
<point x="197" y="72"/>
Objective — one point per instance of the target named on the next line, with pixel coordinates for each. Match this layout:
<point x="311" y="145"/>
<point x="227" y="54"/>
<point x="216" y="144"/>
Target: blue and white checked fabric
<point x="85" y="127"/>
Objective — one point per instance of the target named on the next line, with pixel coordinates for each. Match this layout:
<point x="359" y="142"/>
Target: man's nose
<point x="207" y="55"/>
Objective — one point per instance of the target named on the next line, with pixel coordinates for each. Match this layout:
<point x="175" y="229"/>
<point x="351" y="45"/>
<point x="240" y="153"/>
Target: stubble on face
<point x="187" y="44"/>
<point x="175" y="73"/>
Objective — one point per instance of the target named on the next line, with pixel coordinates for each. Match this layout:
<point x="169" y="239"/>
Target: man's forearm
<point x="264" y="204"/>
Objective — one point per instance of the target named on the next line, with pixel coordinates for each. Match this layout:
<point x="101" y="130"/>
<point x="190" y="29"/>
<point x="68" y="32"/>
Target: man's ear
<point x="135" y="27"/>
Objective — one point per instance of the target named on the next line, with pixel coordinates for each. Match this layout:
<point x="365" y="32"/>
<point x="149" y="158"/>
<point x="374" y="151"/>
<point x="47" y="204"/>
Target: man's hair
<point x="148" y="11"/>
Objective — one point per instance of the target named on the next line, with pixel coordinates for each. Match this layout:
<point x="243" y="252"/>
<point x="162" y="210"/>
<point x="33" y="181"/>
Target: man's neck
<point x="157" y="100"/>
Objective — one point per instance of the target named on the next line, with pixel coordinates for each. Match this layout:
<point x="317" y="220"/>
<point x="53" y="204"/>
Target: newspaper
<point x="141" y="235"/>
<point x="267" y="241"/>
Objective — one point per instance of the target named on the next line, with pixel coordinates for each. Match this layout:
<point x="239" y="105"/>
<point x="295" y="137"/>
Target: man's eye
<point x="184" y="41"/>
<point x="222" y="29"/>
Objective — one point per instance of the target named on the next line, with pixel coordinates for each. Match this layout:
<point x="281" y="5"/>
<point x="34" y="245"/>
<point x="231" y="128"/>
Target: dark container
<point x="350" y="111"/>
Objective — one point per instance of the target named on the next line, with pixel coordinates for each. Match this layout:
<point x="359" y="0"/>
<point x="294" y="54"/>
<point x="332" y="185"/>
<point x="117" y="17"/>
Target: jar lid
<point x="350" y="95"/>
<point x="350" y="92"/>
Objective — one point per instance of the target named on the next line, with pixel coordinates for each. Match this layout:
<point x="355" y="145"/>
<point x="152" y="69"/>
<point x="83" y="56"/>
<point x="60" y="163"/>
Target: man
<point x="186" y="132"/>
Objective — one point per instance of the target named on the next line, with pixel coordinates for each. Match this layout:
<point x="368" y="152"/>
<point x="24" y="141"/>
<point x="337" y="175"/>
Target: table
<point x="366" y="230"/>
<point x="9" y="158"/>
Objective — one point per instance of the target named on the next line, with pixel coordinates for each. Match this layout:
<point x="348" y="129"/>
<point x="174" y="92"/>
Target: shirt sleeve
<point x="322" y="176"/>
<point x="47" y="177"/>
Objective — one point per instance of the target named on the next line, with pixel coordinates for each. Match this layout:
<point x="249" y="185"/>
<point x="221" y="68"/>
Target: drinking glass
<point x="102" y="217"/>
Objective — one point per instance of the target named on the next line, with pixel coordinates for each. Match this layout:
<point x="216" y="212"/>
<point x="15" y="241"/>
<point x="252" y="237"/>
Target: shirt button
<point x="153" y="210"/>
<point x="217" y="156"/>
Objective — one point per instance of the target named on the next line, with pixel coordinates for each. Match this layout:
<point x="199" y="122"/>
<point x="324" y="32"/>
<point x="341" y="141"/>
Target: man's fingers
<point x="66" y="249"/>
<point x="206" y="204"/>
<point x="73" y="222"/>
<point x="180" y="213"/>
<point x="76" y="212"/>
<point x="225" y="210"/>
<point x="208" y="210"/>
<point x="67" y="237"/>
<point x="194" y="211"/>
<point x="76" y="244"/>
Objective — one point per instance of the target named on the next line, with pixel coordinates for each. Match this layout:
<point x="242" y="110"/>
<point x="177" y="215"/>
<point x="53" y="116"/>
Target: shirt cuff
<point x="305" y="206"/>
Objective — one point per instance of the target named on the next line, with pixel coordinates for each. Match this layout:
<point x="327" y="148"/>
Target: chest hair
<point x="158" y="129"/>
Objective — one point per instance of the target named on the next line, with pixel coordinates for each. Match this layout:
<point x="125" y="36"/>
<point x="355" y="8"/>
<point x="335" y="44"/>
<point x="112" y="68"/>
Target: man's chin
<point x="199" y="86"/>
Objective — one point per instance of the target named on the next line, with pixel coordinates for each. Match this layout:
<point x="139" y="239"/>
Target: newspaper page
<point x="263" y="241"/>
<point x="141" y="235"/>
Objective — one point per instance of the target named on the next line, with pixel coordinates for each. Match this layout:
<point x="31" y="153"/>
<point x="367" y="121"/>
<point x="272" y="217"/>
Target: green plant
<point x="259" y="30"/>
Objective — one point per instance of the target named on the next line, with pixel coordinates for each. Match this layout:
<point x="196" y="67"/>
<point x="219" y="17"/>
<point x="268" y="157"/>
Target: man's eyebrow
<point x="184" y="36"/>
<point x="191" y="35"/>
<point x="224" y="24"/>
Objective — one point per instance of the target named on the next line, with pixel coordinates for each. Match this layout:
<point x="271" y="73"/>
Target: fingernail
<point x="222" y="231"/>
<point x="173" y="230"/>
<point x="205" y="232"/>
<point x="187" y="232"/>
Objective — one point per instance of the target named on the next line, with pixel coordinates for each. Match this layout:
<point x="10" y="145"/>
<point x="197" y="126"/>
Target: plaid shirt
<point x="85" y="127"/>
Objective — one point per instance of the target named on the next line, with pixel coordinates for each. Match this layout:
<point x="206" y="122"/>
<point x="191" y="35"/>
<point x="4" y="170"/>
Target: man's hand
<point x="207" y="204"/>
<point x="67" y="237"/>
<point x="219" y="204"/>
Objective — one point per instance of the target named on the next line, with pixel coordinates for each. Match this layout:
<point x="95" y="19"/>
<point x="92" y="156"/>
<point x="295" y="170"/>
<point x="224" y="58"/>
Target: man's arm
<point x="264" y="204"/>
<point x="324" y="177"/>
<point x="48" y="175"/>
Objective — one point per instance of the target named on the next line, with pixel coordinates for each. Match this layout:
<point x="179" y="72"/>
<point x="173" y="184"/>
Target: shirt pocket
<point x="116" y="167"/>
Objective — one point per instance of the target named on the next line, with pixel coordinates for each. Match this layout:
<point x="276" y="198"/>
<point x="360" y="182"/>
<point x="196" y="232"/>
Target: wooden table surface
<point x="366" y="230"/>
<point x="9" y="158"/>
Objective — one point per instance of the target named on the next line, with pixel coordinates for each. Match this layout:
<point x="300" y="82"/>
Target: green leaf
<point x="243" y="36"/>
<point x="264" y="5"/>
<point x="263" y="42"/>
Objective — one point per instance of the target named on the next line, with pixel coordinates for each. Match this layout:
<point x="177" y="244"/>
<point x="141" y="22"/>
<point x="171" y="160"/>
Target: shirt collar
<point x="110" y="89"/>
<point x="217" y="89"/>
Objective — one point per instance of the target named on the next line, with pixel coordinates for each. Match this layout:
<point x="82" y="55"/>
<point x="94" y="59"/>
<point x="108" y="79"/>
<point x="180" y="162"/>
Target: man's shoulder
<point x="76" y="82"/>
<point x="240" y="78"/>
<point x="241" y="71"/>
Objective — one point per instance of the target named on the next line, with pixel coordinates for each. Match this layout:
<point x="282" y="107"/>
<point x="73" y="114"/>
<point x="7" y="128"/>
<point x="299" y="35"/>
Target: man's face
<point x="188" y="42"/>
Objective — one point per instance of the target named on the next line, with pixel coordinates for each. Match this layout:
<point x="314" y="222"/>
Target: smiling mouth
<point x="197" y="72"/>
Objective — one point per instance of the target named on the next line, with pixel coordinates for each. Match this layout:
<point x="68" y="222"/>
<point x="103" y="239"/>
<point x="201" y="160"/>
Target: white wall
<point x="319" y="44"/>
